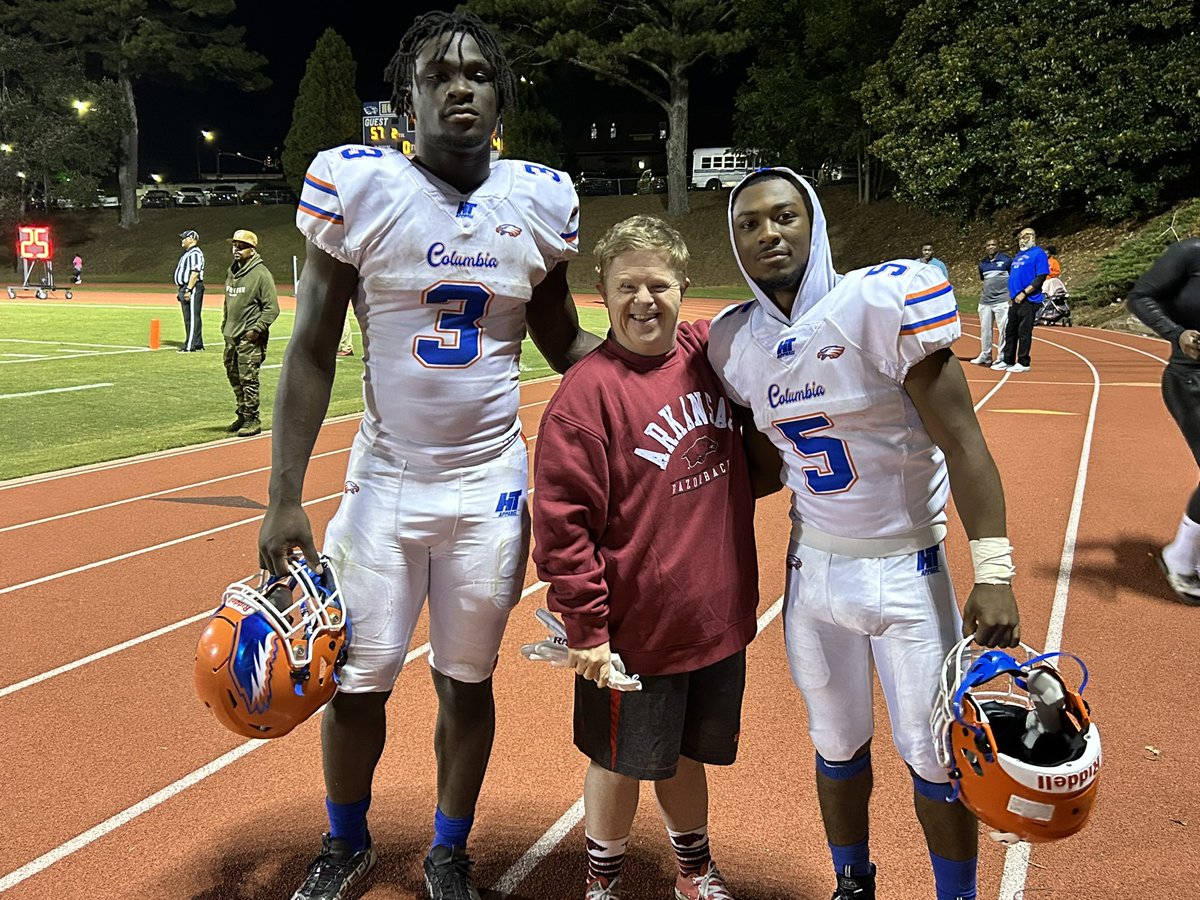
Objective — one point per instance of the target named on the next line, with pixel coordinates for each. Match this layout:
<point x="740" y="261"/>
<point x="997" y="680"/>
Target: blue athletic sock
<point x="954" y="879"/>
<point x="348" y="821"/>
<point x="852" y="859"/>
<point x="448" y="832"/>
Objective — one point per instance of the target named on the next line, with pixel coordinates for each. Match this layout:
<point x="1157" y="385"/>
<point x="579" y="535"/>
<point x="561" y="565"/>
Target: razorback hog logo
<point x="833" y="351"/>
<point x="700" y="450"/>
<point x="508" y="230"/>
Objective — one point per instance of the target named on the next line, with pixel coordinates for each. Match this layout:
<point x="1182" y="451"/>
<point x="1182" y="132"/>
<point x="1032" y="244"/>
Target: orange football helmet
<point x="1018" y="742"/>
<point x="269" y="656"/>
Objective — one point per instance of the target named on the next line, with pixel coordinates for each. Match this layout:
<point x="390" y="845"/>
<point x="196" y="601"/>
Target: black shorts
<point x="643" y="733"/>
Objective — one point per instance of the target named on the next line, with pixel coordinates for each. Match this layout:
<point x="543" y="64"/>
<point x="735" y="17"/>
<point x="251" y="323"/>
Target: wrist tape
<point x="992" y="558"/>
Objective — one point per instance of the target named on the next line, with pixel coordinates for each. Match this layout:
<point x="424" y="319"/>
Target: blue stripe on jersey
<point x="571" y="235"/>
<point x="320" y="186"/>
<point x="922" y="298"/>
<point x="320" y="213"/>
<point x="928" y="324"/>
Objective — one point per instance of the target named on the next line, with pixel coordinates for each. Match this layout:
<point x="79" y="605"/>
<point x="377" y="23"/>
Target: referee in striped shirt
<point x="189" y="279"/>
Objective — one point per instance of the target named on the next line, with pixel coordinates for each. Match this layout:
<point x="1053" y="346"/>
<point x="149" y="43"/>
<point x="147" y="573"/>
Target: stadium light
<point x="21" y="175"/>
<point x="156" y="178"/>
<point x="6" y="148"/>
<point x="83" y="107"/>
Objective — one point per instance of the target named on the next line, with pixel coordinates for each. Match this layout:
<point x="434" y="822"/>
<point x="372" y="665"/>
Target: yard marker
<point x="154" y="334"/>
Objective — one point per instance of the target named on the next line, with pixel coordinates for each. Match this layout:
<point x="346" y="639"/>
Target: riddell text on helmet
<point x="1063" y="784"/>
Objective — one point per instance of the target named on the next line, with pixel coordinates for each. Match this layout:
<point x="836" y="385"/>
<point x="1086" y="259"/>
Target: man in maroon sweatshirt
<point x="643" y="518"/>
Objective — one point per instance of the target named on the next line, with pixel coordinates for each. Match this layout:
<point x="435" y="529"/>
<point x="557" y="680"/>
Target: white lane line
<point x="144" y="550"/>
<point x="62" y="390"/>
<point x="12" y="879"/>
<point x="153" y="494"/>
<point x="554" y="835"/>
<point x="117" y="648"/>
<point x="1016" y="858"/>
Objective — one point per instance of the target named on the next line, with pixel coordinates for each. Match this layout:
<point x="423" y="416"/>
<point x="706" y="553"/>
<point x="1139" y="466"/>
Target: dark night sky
<point x="171" y="118"/>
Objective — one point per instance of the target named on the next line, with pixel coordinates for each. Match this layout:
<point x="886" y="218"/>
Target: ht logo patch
<point x="510" y="504"/>
<point x="927" y="561"/>
<point x="786" y="348"/>
<point x="465" y="210"/>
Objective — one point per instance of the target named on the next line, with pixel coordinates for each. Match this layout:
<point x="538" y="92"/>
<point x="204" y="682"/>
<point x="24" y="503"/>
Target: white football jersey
<point x="443" y="282"/>
<point x="828" y="389"/>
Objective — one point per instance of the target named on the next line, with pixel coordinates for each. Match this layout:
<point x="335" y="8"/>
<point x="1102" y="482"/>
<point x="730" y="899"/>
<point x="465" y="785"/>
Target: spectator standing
<point x="993" y="301"/>
<point x="928" y="258"/>
<point x="679" y="613"/>
<point x="346" y="343"/>
<point x="251" y="305"/>
<point x="77" y="269"/>
<point x="189" y="284"/>
<point x="1029" y="271"/>
<point x="1167" y="299"/>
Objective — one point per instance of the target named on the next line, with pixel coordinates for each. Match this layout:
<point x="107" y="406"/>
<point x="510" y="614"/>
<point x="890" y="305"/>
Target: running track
<point x="118" y="784"/>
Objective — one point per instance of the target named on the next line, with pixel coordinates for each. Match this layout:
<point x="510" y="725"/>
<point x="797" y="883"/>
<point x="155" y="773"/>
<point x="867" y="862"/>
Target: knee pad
<point x="842" y="771"/>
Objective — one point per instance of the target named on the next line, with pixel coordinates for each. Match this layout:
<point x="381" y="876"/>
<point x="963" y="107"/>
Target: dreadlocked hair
<point x="401" y="71"/>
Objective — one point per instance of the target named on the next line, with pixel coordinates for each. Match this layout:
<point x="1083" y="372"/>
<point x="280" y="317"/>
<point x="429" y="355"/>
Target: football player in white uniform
<point x="852" y="379"/>
<point x="447" y="259"/>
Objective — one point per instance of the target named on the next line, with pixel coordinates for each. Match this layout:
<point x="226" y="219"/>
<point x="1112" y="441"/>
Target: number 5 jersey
<point x="827" y="387"/>
<point x="443" y="282"/>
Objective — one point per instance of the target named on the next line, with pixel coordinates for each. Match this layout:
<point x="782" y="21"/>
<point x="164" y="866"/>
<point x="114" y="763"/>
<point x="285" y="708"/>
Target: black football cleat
<point x="855" y="887"/>
<point x="448" y="874"/>
<point x="336" y="871"/>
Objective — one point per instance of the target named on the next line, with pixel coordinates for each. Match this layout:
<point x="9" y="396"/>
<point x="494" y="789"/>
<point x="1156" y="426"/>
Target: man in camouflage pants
<point x="251" y="305"/>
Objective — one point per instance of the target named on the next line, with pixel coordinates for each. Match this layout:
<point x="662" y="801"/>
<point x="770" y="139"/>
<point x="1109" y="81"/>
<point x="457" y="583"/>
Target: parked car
<point x="649" y="183"/>
<point x="269" y="195"/>
<point x="191" y="196"/>
<point x="223" y="195"/>
<point x="157" y="198"/>
<point x="595" y="183"/>
<point x="109" y="201"/>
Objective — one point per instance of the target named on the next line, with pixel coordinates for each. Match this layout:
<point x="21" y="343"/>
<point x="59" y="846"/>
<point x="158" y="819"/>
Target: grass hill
<point x="1098" y="261"/>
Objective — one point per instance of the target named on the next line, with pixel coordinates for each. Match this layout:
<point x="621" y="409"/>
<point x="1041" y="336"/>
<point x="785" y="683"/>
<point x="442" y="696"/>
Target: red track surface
<point x="105" y="785"/>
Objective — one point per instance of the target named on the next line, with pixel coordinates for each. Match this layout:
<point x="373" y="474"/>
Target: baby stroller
<point x="1055" y="308"/>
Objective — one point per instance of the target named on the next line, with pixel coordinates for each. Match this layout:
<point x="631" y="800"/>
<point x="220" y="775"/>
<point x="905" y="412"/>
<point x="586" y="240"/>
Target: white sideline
<point x="554" y="835"/>
<point x="1016" y="858"/>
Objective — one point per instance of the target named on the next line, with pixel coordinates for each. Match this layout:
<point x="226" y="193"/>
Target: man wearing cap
<point x="189" y="283"/>
<point x="251" y="305"/>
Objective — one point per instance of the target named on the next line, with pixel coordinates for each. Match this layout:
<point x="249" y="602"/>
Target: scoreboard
<point x="33" y="243"/>
<point x="384" y="128"/>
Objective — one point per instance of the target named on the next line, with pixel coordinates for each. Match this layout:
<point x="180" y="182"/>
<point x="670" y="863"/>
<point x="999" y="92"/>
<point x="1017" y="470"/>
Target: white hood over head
<point x="819" y="275"/>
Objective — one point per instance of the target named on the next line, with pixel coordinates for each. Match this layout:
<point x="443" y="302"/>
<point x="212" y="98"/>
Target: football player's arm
<point x="1151" y="295"/>
<point x="553" y="323"/>
<point x="939" y="391"/>
<point x="766" y="468"/>
<point x="301" y="402"/>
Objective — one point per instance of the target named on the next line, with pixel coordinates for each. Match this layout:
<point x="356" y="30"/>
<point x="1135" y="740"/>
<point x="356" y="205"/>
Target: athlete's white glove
<point x="554" y="651"/>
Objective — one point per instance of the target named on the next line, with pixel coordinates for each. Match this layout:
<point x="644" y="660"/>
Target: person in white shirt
<point x="853" y="380"/>
<point x="448" y="259"/>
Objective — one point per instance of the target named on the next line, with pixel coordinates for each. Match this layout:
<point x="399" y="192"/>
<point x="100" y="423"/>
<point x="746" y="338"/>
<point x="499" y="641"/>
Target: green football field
<point x="79" y="385"/>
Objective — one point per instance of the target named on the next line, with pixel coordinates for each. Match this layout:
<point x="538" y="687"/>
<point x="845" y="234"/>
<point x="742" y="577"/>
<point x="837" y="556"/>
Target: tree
<point x="328" y="111"/>
<point x="136" y="40"/>
<point x="799" y="103"/>
<point x="651" y="46"/>
<point x="531" y="131"/>
<point x="1041" y="104"/>
<point x="60" y="146"/>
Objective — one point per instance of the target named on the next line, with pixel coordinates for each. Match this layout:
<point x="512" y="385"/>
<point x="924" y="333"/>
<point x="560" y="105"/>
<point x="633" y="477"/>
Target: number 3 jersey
<point x="828" y="389"/>
<point x="443" y="282"/>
